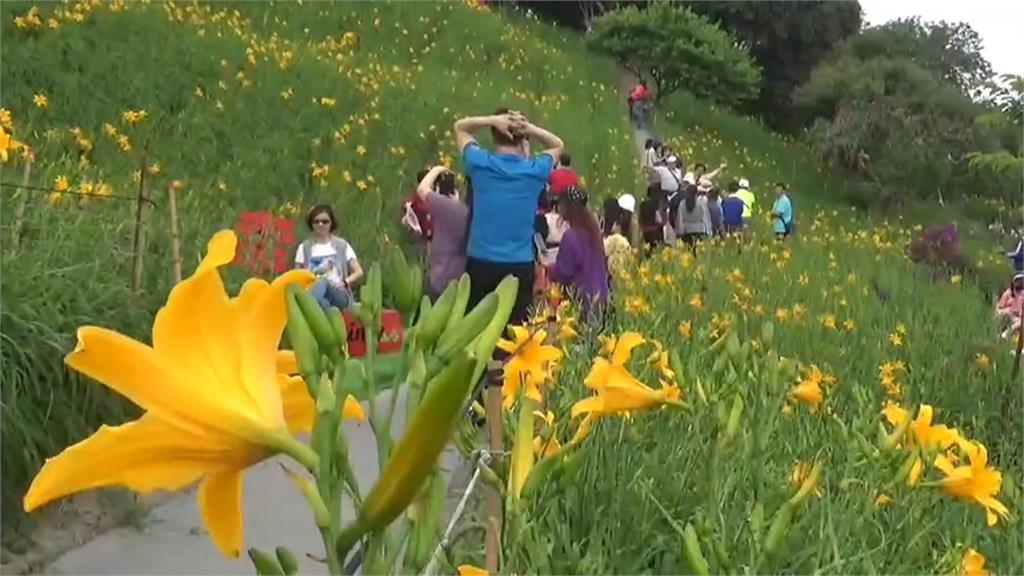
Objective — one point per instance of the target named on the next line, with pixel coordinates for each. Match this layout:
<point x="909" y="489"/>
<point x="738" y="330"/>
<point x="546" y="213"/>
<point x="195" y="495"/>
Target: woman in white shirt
<point x="331" y="258"/>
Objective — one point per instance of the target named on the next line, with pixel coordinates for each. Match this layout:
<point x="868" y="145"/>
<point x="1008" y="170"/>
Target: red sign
<point x="389" y="340"/>
<point x="265" y="243"/>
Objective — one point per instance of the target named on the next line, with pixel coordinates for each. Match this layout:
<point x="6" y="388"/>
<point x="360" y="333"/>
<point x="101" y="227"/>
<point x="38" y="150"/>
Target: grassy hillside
<point x="251" y="106"/>
<point x="277" y="106"/>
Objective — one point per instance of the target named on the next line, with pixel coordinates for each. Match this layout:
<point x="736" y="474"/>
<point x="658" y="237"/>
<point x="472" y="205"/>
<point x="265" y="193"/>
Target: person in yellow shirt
<point x="747" y="197"/>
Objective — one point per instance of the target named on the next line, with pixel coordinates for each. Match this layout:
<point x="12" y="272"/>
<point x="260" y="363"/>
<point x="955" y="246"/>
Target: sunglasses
<point x="321" y="221"/>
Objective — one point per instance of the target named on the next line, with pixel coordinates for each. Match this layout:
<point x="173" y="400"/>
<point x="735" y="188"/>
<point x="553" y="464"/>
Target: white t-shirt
<point x="650" y="155"/>
<point x="323" y="260"/>
<point x="669" y="177"/>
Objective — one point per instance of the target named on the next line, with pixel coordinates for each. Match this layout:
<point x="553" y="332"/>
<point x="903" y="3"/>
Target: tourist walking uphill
<point x="331" y="258"/>
<point x="507" y="183"/>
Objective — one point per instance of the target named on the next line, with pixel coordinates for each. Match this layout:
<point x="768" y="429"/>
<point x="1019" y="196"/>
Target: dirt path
<point x="624" y="82"/>
<point x="171" y="540"/>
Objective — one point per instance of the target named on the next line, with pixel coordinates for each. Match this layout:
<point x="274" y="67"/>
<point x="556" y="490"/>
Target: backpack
<point x="340" y="248"/>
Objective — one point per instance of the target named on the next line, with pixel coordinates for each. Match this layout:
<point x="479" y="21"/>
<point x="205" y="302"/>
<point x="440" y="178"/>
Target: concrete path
<point x="171" y="540"/>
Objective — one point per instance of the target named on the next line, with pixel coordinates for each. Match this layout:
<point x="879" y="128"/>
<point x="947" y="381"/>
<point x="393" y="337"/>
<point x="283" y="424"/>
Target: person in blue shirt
<point x="782" y="212"/>
<point x="507" y="184"/>
<point x="732" y="212"/>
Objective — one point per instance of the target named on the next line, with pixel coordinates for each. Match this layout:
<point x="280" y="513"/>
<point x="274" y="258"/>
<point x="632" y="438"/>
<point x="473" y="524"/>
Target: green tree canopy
<point x="676" y="48"/>
<point x="786" y="39"/>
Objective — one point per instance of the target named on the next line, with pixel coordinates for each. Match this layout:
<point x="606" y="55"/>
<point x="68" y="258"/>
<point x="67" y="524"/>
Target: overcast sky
<point x="999" y="22"/>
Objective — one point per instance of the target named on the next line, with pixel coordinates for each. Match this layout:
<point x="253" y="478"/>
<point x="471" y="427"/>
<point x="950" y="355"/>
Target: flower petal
<point x="624" y="347"/>
<point x="135" y="371"/>
<point x="220" y="505"/>
<point x="587" y="405"/>
<point x="196" y="331"/>
<point x="261" y="316"/>
<point x="352" y="409"/>
<point x="286" y="362"/>
<point x="145" y="455"/>
<point x="296" y="403"/>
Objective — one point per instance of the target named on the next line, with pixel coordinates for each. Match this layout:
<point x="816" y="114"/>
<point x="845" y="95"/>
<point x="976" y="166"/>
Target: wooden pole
<point x="496" y="443"/>
<point x="19" y="212"/>
<point x="1020" y="346"/>
<point x="138" y="240"/>
<point x="175" y="238"/>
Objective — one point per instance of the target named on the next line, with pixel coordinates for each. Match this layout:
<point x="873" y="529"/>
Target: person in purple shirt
<point x="581" y="266"/>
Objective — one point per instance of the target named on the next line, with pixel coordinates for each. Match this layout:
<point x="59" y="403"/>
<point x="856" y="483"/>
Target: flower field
<point x="821" y="405"/>
<point x="825" y="372"/>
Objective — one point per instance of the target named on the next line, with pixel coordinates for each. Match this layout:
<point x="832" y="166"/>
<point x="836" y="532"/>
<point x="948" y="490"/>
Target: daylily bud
<point x="691" y="549"/>
<point x="467" y="329"/>
<point x="307" y="354"/>
<point x="312" y="496"/>
<point x="289" y="564"/>
<point x="767" y="333"/>
<point x="338" y="327"/>
<point x="779" y="528"/>
<point x="318" y="324"/>
<point x="264" y="563"/>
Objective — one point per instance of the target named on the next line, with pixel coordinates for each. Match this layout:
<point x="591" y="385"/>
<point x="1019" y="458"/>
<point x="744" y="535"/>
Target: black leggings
<point x="485" y="276"/>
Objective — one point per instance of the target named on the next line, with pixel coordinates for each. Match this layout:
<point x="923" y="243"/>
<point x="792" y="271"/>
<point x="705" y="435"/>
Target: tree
<point x="786" y="39"/>
<point x="891" y="120"/>
<point x="676" y="48"/>
<point x="951" y="52"/>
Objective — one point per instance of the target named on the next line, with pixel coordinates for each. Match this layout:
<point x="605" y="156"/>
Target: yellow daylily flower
<point x="975" y="483"/>
<point x="7" y="144"/>
<point x="209" y="387"/>
<point x="808" y="391"/>
<point x="921" y="432"/>
<point x="973" y="564"/>
<point x="617" y="389"/>
<point x="528" y="365"/>
<point x="468" y="570"/>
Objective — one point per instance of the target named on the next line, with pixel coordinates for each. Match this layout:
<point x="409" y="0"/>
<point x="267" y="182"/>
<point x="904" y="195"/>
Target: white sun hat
<point x="744" y="183"/>
<point x="627" y="202"/>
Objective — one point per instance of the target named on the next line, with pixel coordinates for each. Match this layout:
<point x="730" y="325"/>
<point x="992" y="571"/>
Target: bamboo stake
<point x="172" y="205"/>
<point x="1020" y="348"/>
<point x="19" y="212"/>
<point x="496" y="429"/>
<point x="139" y="234"/>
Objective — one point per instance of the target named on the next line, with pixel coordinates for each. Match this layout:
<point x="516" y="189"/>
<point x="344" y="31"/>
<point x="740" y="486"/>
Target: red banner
<point x="265" y="243"/>
<point x="389" y="340"/>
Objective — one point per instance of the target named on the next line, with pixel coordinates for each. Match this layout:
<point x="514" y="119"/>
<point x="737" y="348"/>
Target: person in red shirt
<point x="562" y="177"/>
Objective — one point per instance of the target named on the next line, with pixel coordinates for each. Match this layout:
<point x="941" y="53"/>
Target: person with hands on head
<point x="447" y="262"/>
<point x="331" y="258"/>
<point x="507" y="184"/>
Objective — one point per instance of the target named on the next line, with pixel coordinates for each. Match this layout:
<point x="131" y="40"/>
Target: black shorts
<point x="485" y="276"/>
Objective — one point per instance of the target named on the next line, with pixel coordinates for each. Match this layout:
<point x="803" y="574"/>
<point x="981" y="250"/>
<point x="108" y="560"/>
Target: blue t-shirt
<point x="784" y="207"/>
<point x="732" y="211"/>
<point x="506" y="189"/>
